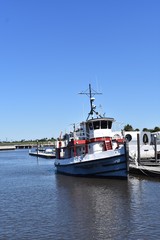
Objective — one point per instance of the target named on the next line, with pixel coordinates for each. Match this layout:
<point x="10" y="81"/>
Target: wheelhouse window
<point x="109" y="124"/>
<point x="103" y="124"/>
<point x="96" y="125"/>
<point x="106" y="124"/>
<point x="99" y="124"/>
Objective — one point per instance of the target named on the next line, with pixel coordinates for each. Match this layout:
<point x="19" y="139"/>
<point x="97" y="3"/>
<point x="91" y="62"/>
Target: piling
<point x="155" y="147"/>
<point x="138" y="149"/>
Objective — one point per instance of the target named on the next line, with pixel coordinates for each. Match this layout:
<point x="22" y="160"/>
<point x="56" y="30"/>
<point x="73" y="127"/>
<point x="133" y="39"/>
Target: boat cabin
<point x="94" y="135"/>
<point x="99" y="127"/>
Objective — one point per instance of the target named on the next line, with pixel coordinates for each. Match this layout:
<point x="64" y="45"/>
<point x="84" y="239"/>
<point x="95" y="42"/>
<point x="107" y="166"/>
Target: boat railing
<point x="81" y="135"/>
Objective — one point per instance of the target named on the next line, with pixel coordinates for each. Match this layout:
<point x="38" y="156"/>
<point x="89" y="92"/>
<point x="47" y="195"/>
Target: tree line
<point x="129" y="127"/>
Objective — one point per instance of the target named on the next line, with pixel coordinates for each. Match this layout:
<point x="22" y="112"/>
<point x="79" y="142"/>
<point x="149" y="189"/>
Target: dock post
<point x="126" y="145"/>
<point x="37" y="147"/>
<point x="155" y="147"/>
<point x="138" y="149"/>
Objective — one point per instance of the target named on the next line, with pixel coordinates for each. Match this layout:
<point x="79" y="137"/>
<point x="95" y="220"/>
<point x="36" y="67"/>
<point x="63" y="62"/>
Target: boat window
<point x="90" y="126"/>
<point x="103" y="124"/>
<point x="96" y="125"/>
<point x="109" y="124"/>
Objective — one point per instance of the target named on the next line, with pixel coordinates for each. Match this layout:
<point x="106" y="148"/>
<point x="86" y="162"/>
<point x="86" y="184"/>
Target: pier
<point x="145" y="170"/>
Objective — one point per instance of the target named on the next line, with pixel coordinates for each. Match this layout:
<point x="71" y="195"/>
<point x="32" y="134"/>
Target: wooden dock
<point x="148" y="168"/>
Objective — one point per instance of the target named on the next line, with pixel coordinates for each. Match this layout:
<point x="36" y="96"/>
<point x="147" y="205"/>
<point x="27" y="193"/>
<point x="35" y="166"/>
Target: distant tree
<point x="146" y="130"/>
<point x="136" y="129"/>
<point x="128" y="128"/>
<point x="52" y="139"/>
<point x="43" y="140"/>
<point x="156" y="129"/>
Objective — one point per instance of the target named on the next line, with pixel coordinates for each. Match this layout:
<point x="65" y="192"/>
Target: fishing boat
<point x="92" y="149"/>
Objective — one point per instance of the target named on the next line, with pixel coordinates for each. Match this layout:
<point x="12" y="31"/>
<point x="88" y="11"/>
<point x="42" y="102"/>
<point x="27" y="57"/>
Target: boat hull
<point x="112" y="167"/>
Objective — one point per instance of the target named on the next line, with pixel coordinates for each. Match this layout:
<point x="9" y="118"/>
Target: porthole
<point x="145" y="138"/>
<point x="128" y="137"/>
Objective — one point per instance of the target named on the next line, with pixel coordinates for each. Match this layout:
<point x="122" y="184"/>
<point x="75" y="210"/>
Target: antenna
<point x="90" y="94"/>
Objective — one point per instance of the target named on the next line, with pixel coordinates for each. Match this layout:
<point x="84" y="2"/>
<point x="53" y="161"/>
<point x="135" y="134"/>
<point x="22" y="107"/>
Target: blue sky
<point x="50" y="50"/>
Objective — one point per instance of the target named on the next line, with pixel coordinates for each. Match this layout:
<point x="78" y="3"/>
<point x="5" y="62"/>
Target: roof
<point x="101" y="119"/>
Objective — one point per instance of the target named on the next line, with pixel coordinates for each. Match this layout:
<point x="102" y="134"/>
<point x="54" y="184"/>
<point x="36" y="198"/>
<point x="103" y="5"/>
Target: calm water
<point x="36" y="203"/>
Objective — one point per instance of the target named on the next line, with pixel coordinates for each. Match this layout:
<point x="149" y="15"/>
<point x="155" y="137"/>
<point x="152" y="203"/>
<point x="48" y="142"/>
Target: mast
<point x="90" y="94"/>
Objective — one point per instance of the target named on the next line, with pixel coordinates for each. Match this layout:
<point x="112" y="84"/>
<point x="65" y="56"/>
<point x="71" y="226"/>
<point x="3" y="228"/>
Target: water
<point x="36" y="203"/>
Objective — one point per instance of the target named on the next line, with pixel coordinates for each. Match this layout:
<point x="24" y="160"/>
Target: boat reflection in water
<point x="96" y="204"/>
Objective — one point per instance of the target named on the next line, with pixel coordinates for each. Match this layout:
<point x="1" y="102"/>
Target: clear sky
<point x="50" y="50"/>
